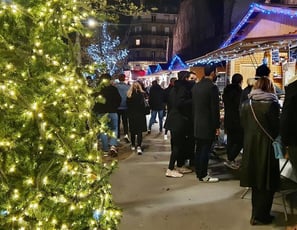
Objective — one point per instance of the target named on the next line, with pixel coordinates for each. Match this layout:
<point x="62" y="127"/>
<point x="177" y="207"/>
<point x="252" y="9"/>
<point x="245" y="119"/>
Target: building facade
<point x="150" y="38"/>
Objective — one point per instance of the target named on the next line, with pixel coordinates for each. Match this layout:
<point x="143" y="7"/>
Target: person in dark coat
<point x="136" y="115"/>
<point x="206" y="110"/>
<point x="231" y="98"/>
<point x="157" y="105"/>
<point x="166" y="99"/>
<point x="260" y="169"/>
<point x="288" y="127"/>
<point x="109" y="105"/>
<point x="179" y="122"/>
<point x="246" y="91"/>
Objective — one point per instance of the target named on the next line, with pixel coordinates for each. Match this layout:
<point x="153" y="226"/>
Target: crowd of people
<point x="189" y="108"/>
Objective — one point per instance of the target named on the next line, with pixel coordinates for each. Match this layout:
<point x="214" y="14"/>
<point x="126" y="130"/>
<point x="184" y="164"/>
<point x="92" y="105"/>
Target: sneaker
<point x="149" y="131"/>
<point x="165" y="137"/>
<point x="139" y="151"/>
<point x="231" y="164"/>
<point x="132" y="147"/>
<point x="183" y="170"/>
<point x="209" y="179"/>
<point x="113" y="151"/>
<point x="126" y="138"/>
<point x="173" y="173"/>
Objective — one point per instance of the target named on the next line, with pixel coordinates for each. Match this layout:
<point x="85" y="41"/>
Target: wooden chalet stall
<point x="266" y="34"/>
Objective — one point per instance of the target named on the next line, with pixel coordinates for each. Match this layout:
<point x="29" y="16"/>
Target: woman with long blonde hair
<point x="136" y="115"/>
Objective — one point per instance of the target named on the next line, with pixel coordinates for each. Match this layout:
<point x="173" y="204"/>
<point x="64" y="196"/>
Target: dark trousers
<point x="234" y="145"/>
<point x="122" y="114"/>
<point x="261" y="204"/>
<point x="177" y="142"/>
<point x="139" y="138"/>
<point x="203" y="148"/>
<point x="189" y="149"/>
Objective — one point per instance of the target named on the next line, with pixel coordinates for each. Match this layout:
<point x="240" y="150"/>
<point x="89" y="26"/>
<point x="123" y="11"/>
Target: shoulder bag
<point x="278" y="147"/>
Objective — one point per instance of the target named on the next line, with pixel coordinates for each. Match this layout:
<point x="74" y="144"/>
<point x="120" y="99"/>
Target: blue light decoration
<point x="106" y="52"/>
<point x="177" y="63"/>
<point x="97" y="214"/>
<point x="254" y="7"/>
<point x="159" y="68"/>
<point x="4" y="213"/>
<point x="149" y="71"/>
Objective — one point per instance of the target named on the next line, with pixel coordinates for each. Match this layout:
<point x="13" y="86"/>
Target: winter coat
<point x="156" y="98"/>
<point x="136" y="113"/>
<point x="123" y="88"/>
<point x="231" y="99"/>
<point x="245" y="93"/>
<point x="112" y="100"/>
<point x="179" y="118"/>
<point x="206" y="109"/>
<point x="288" y="129"/>
<point x="259" y="167"/>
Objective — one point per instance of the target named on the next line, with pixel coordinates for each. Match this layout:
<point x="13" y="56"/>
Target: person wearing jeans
<point x="107" y="140"/>
<point x="154" y="114"/>
<point x="109" y="107"/>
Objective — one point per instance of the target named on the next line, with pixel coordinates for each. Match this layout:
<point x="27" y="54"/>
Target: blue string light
<point x="180" y="63"/>
<point x="254" y="7"/>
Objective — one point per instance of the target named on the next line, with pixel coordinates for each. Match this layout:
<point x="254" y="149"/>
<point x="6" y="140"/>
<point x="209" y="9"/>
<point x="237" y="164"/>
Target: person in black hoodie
<point x="108" y="100"/>
<point x="232" y="127"/>
<point x="180" y="123"/>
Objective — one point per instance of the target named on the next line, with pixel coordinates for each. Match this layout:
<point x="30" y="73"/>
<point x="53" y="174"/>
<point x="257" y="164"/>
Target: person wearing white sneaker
<point x="173" y="173"/>
<point x="209" y="179"/>
<point x="165" y="137"/>
<point x="206" y="113"/>
<point x="136" y="115"/>
<point x="139" y="150"/>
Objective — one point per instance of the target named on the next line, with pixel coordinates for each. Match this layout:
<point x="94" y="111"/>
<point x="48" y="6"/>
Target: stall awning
<point x="245" y="47"/>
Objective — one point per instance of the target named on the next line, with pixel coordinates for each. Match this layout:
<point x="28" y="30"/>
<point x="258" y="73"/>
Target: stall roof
<point x="245" y="47"/>
<point x="247" y="37"/>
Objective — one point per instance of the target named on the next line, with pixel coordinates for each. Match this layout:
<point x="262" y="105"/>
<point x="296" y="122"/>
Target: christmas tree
<point x="52" y="176"/>
<point x="107" y="52"/>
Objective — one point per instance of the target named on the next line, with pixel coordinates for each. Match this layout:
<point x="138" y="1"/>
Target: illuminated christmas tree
<point x="52" y="176"/>
<point x="107" y="52"/>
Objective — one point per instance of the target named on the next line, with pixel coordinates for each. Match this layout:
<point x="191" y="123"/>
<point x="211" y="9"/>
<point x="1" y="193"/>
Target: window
<point x="166" y="30"/>
<point x="154" y="18"/>
<point x="154" y="29"/>
<point x="137" y="42"/>
<point x="153" y="41"/>
<point x="137" y="29"/>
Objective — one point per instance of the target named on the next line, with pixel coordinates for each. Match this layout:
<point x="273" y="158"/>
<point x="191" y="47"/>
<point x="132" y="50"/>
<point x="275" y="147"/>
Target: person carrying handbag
<point x="260" y="168"/>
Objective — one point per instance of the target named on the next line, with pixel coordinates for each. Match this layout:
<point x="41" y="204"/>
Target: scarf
<point x="260" y="95"/>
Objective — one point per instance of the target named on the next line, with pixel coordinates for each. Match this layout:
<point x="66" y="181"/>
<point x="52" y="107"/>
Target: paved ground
<point x="151" y="201"/>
